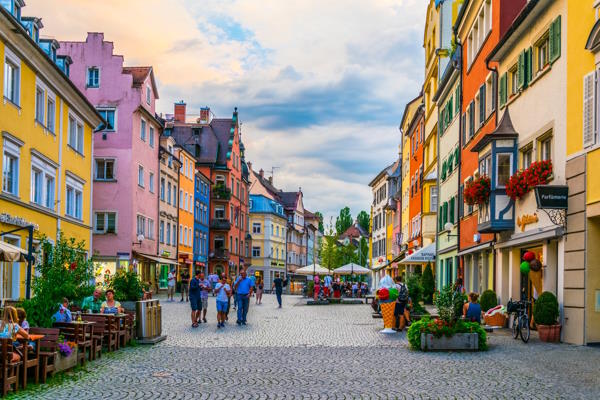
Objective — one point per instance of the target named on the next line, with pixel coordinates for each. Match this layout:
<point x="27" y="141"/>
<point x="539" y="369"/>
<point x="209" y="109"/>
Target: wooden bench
<point x="48" y="348"/>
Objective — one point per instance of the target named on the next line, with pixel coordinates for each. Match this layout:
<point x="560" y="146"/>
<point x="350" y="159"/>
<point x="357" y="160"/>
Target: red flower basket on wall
<point x="538" y="173"/>
<point x="478" y="191"/>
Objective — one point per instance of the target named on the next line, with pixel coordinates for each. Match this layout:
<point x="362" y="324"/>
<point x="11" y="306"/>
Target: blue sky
<point x="320" y="86"/>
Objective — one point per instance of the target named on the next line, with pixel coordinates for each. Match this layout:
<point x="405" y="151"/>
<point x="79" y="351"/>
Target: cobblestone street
<point x="323" y="352"/>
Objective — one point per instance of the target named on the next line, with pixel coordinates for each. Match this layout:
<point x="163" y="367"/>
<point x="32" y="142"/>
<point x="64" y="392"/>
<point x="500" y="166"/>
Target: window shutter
<point x="589" y="103"/>
<point x="494" y="90"/>
<point x="471" y="119"/>
<point x="503" y="88"/>
<point x="461" y="206"/>
<point x="443" y="176"/>
<point x="482" y="104"/>
<point x="464" y="129"/>
<point x="445" y="213"/>
<point x="528" y="66"/>
<point x="457" y="100"/>
<point x="450" y="162"/>
<point x="451" y="210"/>
<point x="554" y="40"/>
<point x="521" y="70"/>
<point x="440" y="223"/>
<point x="456" y="163"/>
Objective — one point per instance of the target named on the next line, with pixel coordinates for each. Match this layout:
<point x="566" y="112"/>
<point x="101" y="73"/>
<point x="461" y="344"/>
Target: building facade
<point x="187" y="180"/>
<point x="202" y="187"/>
<point x="46" y="125"/>
<point x="416" y="135"/>
<point x="125" y="213"/>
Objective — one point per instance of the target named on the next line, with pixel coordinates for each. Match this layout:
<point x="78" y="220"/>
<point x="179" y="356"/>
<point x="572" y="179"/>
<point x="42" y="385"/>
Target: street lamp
<point x="448" y="226"/>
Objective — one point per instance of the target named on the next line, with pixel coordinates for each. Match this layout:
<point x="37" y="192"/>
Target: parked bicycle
<point x="521" y="319"/>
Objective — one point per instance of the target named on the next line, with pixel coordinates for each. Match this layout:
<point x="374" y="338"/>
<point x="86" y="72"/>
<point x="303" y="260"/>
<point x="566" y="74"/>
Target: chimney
<point x="205" y="115"/>
<point x="261" y="173"/>
<point x="180" y="111"/>
<point x="271" y="179"/>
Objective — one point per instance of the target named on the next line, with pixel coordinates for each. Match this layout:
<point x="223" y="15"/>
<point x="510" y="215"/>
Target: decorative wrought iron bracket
<point x="556" y="216"/>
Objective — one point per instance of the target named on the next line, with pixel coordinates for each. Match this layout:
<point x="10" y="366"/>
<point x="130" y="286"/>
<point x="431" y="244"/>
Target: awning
<point x="475" y="249"/>
<point x="9" y="252"/>
<point x="533" y="236"/>
<point x="388" y="263"/>
<point x="313" y="269"/>
<point x="160" y="260"/>
<point x="423" y="256"/>
<point x="352" y="269"/>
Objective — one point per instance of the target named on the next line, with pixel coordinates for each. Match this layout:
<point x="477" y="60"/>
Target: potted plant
<point x="517" y="185"/>
<point x="477" y="191"/>
<point x="545" y="315"/>
<point x="128" y="288"/>
<point x="67" y="355"/>
<point x="521" y="183"/>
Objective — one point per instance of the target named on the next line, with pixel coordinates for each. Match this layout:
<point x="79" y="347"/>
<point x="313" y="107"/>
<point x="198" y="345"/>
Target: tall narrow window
<point x="151" y="182"/>
<point x="151" y="139"/>
<point x="140" y="176"/>
<point x="40" y="105"/>
<point x="12" y="78"/>
<point x="143" y="130"/>
<point x="51" y="117"/>
<point x="93" y="77"/>
<point x="503" y="168"/>
<point x="10" y="168"/>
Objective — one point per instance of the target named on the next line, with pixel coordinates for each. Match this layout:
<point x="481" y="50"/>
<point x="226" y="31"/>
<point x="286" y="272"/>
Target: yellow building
<point x="46" y="126"/>
<point x="582" y="254"/>
<point x="185" y="250"/>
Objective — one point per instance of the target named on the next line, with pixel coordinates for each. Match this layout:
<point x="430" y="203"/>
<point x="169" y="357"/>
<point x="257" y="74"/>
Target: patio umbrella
<point x="351" y="269"/>
<point x="9" y="252"/>
<point x="313" y="269"/>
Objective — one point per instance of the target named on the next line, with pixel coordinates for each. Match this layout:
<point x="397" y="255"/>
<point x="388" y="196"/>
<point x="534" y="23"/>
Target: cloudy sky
<point x="320" y="85"/>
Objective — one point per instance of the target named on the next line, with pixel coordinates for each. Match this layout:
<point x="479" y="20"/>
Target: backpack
<point x="403" y="293"/>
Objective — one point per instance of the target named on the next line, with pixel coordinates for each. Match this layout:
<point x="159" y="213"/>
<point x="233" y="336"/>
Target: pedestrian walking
<point x="278" y="285"/>
<point x="213" y="279"/>
<point x="259" y="291"/>
<point x="185" y="281"/>
<point x="243" y="291"/>
<point x="205" y="287"/>
<point x="171" y="285"/>
<point x="195" y="299"/>
<point x="223" y="292"/>
<point x="228" y="280"/>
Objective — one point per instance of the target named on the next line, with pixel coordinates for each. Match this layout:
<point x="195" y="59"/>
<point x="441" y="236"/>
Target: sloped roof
<point x="266" y="184"/>
<point x="354" y="232"/>
<point x="289" y="199"/>
<point x="213" y="139"/>
<point x="139" y="75"/>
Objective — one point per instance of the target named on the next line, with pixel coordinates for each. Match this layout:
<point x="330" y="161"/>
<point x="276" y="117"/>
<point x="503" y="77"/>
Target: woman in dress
<point x="259" y="290"/>
<point x="110" y="305"/>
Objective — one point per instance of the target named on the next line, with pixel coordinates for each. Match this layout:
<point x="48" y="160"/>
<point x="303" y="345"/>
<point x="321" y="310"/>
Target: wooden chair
<point x="97" y="335"/>
<point x="110" y="333"/>
<point x="130" y="326"/>
<point x="30" y="360"/>
<point x="76" y="333"/>
<point x="9" y="370"/>
<point x="48" y="350"/>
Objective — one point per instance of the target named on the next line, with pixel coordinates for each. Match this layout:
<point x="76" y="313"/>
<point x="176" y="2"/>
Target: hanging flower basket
<point x="522" y="182"/>
<point x="477" y="191"/>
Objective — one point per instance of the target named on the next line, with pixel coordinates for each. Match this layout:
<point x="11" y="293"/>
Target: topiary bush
<point x="415" y="291"/>
<point x="488" y="300"/>
<point x="545" y="309"/>
<point x="428" y="284"/>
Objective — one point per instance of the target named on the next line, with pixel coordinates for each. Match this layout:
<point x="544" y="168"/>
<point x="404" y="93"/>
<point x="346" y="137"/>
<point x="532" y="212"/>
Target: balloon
<point x="393" y="294"/>
<point x="529" y="256"/>
<point x="535" y="265"/>
<point x="383" y="294"/>
<point x="524" y="267"/>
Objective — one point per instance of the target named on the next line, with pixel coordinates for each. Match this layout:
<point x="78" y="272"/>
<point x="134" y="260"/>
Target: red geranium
<point x="522" y="182"/>
<point x="477" y="191"/>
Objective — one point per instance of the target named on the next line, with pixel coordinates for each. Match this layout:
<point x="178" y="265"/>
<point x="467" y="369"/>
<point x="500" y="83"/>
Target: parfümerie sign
<point x="552" y="197"/>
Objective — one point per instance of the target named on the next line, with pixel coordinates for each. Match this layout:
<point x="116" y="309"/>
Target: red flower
<point x="523" y="181"/>
<point x="477" y="191"/>
<point x="73" y="266"/>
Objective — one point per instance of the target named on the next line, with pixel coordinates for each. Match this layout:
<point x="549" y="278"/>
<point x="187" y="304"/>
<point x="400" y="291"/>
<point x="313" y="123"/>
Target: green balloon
<point x="393" y="293"/>
<point x="525" y="267"/>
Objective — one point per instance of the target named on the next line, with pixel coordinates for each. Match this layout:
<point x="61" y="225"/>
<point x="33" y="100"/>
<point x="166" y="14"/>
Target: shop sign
<point x="17" y="221"/>
<point x="525" y="220"/>
<point x="166" y="253"/>
<point x="552" y="197"/>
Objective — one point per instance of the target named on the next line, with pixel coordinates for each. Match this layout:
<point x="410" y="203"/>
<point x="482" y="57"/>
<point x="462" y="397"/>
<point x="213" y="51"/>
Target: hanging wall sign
<point x="552" y="197"/>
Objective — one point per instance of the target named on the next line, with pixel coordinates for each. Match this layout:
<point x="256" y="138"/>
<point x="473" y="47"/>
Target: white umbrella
<point x="313" y="269"/>
<point x="352" y="269"/>
<point x="9" y="252"/>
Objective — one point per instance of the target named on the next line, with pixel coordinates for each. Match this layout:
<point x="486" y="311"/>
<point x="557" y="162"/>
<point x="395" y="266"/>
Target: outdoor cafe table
<point x="25" y="342"/>
<point x="82" y="330"/>
<point x="113" y="320"/>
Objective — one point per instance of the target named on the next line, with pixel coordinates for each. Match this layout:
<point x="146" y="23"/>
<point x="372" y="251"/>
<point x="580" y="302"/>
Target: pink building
<point x="125" y="188"/>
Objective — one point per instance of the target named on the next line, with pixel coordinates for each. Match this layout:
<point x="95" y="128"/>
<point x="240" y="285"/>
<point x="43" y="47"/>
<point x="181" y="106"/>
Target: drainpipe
<point x="495" y="78"/>
<point x="460" y="266"/>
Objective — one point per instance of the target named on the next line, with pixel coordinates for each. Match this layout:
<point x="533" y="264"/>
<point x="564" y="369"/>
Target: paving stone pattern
<point x="324" y="352"/>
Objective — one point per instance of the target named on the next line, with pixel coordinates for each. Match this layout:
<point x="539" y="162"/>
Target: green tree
<point x="364" y="220"/>
<point x="320" y="218"/>
<point x="347" y="254"/>
<point x="428" y="284"/>
<point x="329" y="251"/>
<point x="363" y="255"/>
<point x="343" y="221"/>
<point x="63" y="270"/>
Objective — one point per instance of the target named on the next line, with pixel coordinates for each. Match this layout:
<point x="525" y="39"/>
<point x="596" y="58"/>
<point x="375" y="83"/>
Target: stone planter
<point x="65" y="363"/>
<point x="459" y="341"/>
<point x="549" y="333"/>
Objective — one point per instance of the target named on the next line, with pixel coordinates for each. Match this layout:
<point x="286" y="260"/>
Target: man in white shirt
<point x="171" y="285"/>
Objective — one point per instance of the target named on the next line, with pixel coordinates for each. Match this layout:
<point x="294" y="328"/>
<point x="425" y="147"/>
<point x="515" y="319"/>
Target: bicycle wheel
<point x="515" y="326"/>
<point x="524" y="328"/>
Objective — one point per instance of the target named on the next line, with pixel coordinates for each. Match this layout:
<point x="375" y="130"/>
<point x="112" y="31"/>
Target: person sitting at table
<point x="22" y="315"/>
<point x="92" y="303"/>
<point x="110" y="305"/>
<point x="63" y="314"/>
<point x="9" y="328"/>
<point x="472" y="309"/>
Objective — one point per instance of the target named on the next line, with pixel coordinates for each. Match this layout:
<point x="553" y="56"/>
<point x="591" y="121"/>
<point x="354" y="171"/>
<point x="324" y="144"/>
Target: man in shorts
<point x="195" y="299"/>
<point x="205" y="287"/>
<point x="171" y="285"/>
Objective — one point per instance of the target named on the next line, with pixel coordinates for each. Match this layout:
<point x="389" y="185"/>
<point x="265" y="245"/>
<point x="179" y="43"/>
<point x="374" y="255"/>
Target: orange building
<point x="186" y="209"/>
<point x="416" y="136"/>
<point x="479" y="26"/>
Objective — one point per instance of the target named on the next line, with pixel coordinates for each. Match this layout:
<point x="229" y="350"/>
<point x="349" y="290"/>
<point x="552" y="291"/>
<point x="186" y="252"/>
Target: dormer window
<point x="93" y="77"/>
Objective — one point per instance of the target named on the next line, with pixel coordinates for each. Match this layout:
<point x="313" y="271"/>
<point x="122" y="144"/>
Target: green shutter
<point x="528" y="66"/>
<point x="554" y="40"/>
<point x="456" y="161"/>
<point x="521" y="70"/>
<point x="503" y="88"/>
<point x="445" y="213"/>
<point x="452" y="210"/>
<point x="440" y="222"/>
<point x="457" y="100"/>
<point x="443" y="176"/>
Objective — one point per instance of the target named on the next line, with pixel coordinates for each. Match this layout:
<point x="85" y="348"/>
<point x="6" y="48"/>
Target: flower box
<point x="64" y="363"/>
<point x="458" y="341"/>
<point x="477" y="191"/>
<point x="521" y="183"/>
